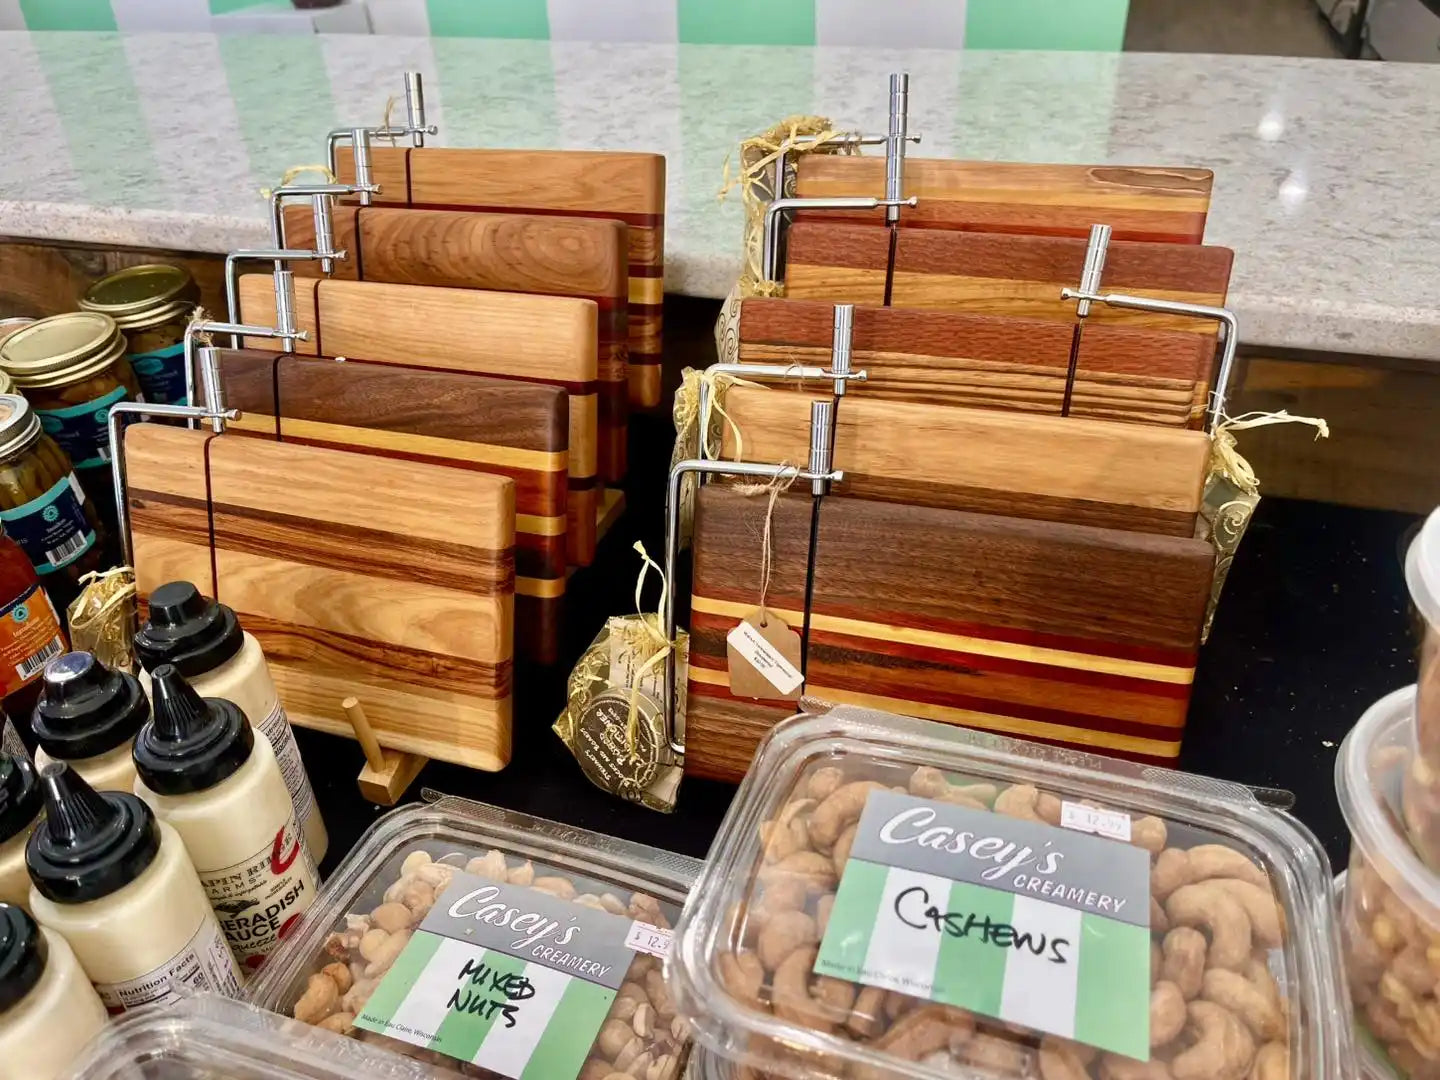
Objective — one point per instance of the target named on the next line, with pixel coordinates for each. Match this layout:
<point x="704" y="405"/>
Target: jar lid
<point x="61" y="349"/>
<point x="191" y="743"/>
<point x="1422" y="570"/>
<point x="20" y="797"/>
<point x="23" y="955"/>
<point x="86" y="709"/>
<point x="9" y="326"/>
<point x="137" y="290"/>
<point x="19" y="426"/>
<point x="188" y="630"/>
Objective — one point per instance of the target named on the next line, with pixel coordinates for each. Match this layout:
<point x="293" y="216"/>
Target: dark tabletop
<point x="1313" y="627"/>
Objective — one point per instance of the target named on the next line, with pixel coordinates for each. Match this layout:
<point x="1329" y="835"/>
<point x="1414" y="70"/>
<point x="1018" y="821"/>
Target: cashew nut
<point x="1171" y="870"/>
<point x="1167" y="1013"/>
<point x="840" y="809"/>
<point x="782" y="935"/>
<point x="1260" y="905"/>
<point x="1242" y="997"/>
<point x="321" y="998"/>
<point x="1184" y="949"/>
<point x="1222" y="1048"/>
<point x="1272" y="1062"/>
<point x="1209" y="906"/>
<point x="1219" y="861"/>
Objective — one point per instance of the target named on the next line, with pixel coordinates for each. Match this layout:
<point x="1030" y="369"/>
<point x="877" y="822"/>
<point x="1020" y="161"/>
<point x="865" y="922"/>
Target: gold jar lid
<point x="19" y="426"/>
<point x="9" y="326"/>
<point x="7" y="384"/>
<point x="139" y="290"/>
<point x="62" y="349"/>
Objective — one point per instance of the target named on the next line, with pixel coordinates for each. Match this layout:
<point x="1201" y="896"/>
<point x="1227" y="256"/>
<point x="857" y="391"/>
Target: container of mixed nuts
<point x="490" y="943"/>
<point x="890" y="898"/>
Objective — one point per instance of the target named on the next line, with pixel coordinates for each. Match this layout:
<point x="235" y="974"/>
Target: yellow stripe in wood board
<point x="647" y="290"/>
<point x="540" y="588"/>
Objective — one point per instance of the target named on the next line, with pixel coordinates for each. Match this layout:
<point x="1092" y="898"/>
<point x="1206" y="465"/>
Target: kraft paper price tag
<point x="764" y="658"/>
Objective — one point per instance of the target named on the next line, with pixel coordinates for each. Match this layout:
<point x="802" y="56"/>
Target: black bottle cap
<point x="23" y="955"/>
<point x="91" y="843"/>
<point x="188" y="630"/>
<point x="86" y="709"/>
<point x="191" y="743"/>
<point x="21" y="799"/>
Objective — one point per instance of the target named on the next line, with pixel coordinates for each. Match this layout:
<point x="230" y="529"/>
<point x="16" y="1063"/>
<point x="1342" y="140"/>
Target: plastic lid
<point x="91" y="843"/>
<point x="1008" y="797"/>
<point x="186" y="629"/>
<point x="21" y="799"/>
<point x="86" y="709"/>
<point x="192" y="743"/>
<point x="1422" y="570"/>
<point x="19" y="426"/>
<point x="23" y="955"/>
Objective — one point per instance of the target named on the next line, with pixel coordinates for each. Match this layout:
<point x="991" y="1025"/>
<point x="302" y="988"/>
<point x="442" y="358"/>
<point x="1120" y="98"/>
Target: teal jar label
<point x="82" y="430"/>
<point x="161" y="373"/>
<point x="53" y="529"/>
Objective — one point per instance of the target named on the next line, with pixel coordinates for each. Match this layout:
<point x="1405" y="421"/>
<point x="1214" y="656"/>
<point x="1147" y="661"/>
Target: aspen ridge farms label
<point x="1012" y="919"/>
<point x="507" y="978"/>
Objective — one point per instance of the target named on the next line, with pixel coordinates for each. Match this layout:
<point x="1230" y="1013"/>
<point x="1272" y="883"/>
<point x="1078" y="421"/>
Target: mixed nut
<point x="1216" y="1011"/>
<point x="641" y="1038"/>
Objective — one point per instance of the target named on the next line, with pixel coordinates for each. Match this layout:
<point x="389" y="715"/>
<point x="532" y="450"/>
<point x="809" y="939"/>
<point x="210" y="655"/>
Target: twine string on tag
<point x="1225" y="457"/>
<point x="687" y="410"/>
<point x="650" y="623"/>
<point x="289" y="175"/>
<point x="780" y="483"/>
<point x="385" y="120"/>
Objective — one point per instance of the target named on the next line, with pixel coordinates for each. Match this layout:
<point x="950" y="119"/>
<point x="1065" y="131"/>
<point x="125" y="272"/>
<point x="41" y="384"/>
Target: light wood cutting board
<point x="498" y="426"/>
<point x="1069" y="634"/>
<point x="995" y="362"/>
<point x="1166" y="205"/>
<point x="1050" y="468"/>
<point x="389" y="580"/>
<point x="554" y="256"/>
<point x="622" y="186"/>
<point x="543" y="339"/>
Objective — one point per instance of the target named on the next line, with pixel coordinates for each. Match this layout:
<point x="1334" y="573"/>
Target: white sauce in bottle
<point x="220" y="660"/>
<point x="203" y="769"/>
<point x="48" y="1009"/>
<point x="21" y="804"/>
<point x="87" y="717"/>
<point x="121" y="889"/>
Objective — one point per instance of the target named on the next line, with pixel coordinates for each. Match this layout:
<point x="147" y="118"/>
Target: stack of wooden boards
<point x="1015" y="544"/>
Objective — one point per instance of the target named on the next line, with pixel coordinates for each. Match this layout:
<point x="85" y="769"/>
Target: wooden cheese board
<point x="521" y="253"/>
<point x="994" y="274"/>
<point x="621" y="186"/>
<point x="1050" y="468"/>
<point x="383" y="579"/>
<point x="541" y="339"/>
<point x="497" y="426"/>
<point x="1061" y="633"/>
<point x="1165" y="205"/>
<point x="994" y="362"/>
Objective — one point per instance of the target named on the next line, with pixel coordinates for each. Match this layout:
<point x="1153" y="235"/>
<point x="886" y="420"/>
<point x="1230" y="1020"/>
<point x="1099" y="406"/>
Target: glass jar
<point x="151" y="304"/>
<point x="42" y="505"/>
<point x="72" y="368"/>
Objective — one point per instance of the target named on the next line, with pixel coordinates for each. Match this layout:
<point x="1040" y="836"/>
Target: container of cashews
<point x="1420" y="801"/>
<point x="1390" y="911"/>
<point x="488" y="943"/>
<point x="890" y="897"/>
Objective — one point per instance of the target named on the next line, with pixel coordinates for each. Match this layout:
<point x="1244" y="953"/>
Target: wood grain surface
<point x="995" y="362"/>
<point x="386" y="579"/>
<point x="1166" y="205"/>
<point x="498" y="426"/>
<point x="544" y="339"/>
<point x="1051" y="468"/>
<point x="623" y="186"/>
<point x="1061" y="633"/>
<point x="554" y="256"/>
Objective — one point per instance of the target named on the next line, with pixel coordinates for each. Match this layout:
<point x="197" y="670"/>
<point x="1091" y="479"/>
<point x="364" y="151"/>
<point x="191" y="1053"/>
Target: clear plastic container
<point x="1390" y="920"/>
<point x="743" y="969"/>
<point x="1422" y="785"/>
<point x="334" y="968"/>
<point x="207" y="1037"/>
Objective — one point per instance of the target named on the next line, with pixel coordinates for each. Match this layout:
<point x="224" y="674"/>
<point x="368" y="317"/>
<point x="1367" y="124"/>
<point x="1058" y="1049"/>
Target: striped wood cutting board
<point x="554" y="256"/>
<point x="994" y="362"/>
<point x="542" y="339"/>
<point x="1166" y="205"/>
<point x="385" y="579"/>
<point x="620" y="186"/>
<point x="1061" y="633"/>
<point x="496" y="426"/>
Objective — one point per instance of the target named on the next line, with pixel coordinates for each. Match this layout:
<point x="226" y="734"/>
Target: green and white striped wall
<point x="1091" y="25"/>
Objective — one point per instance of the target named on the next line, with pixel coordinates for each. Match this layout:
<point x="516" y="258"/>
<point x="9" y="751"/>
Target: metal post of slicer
<point x="210" y="364"/>
<point x="1089" y="293"/>
<point x="897" y="135"/>
<point x="359" y="138"/>
<point x="817" y="472"/>
<point x="322" y="202"/>
<point x="284" y="289"/>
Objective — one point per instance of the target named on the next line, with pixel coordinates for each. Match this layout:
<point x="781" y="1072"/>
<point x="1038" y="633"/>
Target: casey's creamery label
<point x="1031" y="924"/>
<point x="513" y="980"/>
<point x="258" y="899"/>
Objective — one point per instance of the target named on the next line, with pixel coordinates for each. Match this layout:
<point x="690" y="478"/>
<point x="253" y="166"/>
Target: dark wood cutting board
<point x="622" y="186"/>
<point x="389" y="580"/>
<point x="1068" y="634"/>
<point x="541" y="339"/>
<point x="994" y="362"/>
<point x="522" y="253"/>
<point x="497" y="426"/>
<point x="1166" y="205"/>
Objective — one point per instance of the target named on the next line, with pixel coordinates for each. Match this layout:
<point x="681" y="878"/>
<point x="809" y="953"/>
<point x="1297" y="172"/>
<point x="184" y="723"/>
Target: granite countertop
<point x="1323" y="168"/>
